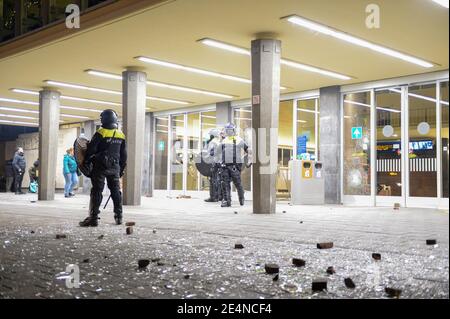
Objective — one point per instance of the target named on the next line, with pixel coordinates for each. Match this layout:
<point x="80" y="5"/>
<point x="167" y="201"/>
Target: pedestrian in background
<point x="19" y="164"/>
<point x="70" y="173"/>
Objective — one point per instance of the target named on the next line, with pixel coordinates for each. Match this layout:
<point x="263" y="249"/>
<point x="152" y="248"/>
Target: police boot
<point x="211" y="200"/>
<point x="241" y="201"/>
<point x="118" y="218"/>
<point x="225" y="203"/>
<point x="91" y="221"/>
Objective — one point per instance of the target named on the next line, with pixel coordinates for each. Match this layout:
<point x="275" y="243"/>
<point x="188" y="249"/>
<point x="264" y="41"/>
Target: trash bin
<point x="307" y="183"/>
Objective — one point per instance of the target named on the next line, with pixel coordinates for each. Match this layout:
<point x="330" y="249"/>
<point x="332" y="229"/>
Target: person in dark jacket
<point x="70" y="169"/>
<point x="19" y="164"/>
<point x="107" y="152"/>
<point x="33" y="172"/>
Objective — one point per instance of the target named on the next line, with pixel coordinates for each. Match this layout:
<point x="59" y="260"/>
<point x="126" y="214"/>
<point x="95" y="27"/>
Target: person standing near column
<point x="214" y="179"/>
<point x="107" y="152"/>
<point x="70" y="173"/>
<point x="19" y="164"/>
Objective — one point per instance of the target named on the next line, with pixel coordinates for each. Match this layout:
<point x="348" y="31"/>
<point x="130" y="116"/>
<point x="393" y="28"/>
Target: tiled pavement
<point x="192" y="245"/>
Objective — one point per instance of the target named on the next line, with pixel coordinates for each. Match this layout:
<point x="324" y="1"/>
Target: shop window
<point x="243" y="121"/>
<point x="161" y="152"/>
<point x="307" y="126"/>
<point x="7" y="20"/>
<point x="31" y="15"/>
<point x="444" y="137"/>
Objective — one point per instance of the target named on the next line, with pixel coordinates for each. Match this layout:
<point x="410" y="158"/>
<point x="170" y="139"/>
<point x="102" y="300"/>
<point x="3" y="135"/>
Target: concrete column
<point x="48" y="142"/>
<point x="223" y="113"/>
<point x="266" y="55"/>
<point x="330" y="142"/>
<point x="134" y="88"/>
<point x="147" y="168"/>
<point x="88" y="131"/>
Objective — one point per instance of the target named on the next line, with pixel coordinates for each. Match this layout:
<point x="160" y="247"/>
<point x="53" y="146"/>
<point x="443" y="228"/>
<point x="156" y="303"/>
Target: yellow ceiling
<point x="169" y="32"/>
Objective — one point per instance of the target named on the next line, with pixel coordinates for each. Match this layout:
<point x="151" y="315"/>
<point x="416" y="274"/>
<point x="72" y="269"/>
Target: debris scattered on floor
<point x="298" y="262"/>
<point x="235" y="213"/>
<point x="32" y="201"/>
<point x="301" y="222"/>
<point x="32" y="232"/>
<point x="331" y="270"/>
<point x="284" y="212"/>
<point x="155" y="260"/>
<point x="86" y="260"/>
<point x="154" y="231"/>
<point x="376" y="256"/>
<point x="272" y="268"/>
<point x="128" y="224"/>
<point x="101" y="237"/>
<point x="61" y="236"/>
<point x="143" y="263"/>
<point x="319" y="284"/>
<point x="276" y="277"/>
<point x="129" y="230"/>
<point x="397" y="206"/>
<point x="325" y="245"/>
<point x="183" y="197"/>
<point x="187" y="276"/>
<point x="349" y="283"/>
<point x="431" y="242"/>
<point x="238" y="246"/>
<point x="393" y="292"/>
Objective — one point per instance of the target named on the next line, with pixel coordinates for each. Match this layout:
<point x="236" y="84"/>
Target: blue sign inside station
<point x="357" y="133"/>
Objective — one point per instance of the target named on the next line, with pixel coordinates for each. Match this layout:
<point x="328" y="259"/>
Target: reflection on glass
<point x="357" y="143"/>
<point x="306" y="128"/>
<point x="31" y="15"/>
<point x="193" y="140"/>
<point x="58" y="9"/>
<point x="285" y="148"/>
<point x="444" y="137"/>
<point x="243" y="122"/>
<point x="7" y="19"/>
<point x="422" y="141"/>
<point x="389" y="136"/>
<point x="161" y="151"/>
<point x="208" y="122"/>
<point x="177" y="152"/>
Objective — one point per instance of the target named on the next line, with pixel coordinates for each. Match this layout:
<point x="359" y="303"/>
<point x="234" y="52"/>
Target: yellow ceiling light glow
<point x="162" y="85"/>
<point x="289" y="63"/>
<point x="317" y="27"/>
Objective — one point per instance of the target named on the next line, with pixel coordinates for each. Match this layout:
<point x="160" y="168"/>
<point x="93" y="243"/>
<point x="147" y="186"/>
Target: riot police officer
<point x="232" y="164"/>
<point x="215" y="192"/>
<point x="107" y="152"/>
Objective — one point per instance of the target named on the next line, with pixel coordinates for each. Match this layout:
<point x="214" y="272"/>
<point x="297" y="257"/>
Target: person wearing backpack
<point x="70" y="173"/>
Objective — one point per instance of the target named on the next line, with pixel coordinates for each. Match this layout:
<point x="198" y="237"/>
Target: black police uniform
<point x="215" y="190"/>
<point x="107" y="152"/>
<point x="231" y="168"/>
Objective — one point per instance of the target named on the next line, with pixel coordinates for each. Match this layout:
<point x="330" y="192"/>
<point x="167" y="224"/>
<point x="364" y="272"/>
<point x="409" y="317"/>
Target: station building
<point x="361" y="87"/>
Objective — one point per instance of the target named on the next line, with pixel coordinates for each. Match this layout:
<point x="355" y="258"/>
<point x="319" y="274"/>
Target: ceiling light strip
<point x="292" y="64"/>
<point x="317" y="27"/>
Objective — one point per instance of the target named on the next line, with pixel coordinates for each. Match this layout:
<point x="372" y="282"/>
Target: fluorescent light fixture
<point x="292" y="64"/>
<point x="302" y="121"/>
<point x="19" y="116"/>
<point x="18" y="122"/>
<point x="418" y="96"/>
<point x="160" y="84"/>
<point x="192" y="69"/>
<point x="18" y="101"/>
<point x="82" y="87"/>
<point x="75" y="116"/>
<point x="208" y="116"/>
<point x="80" y="109"/>
<point x="11" y="109"/>
<point x="443" y="3"/>
<point x="307" y="110"/>
<point x="153" y="98"/>
<point x="314" y="26"/>
<point x="71" y="98"/>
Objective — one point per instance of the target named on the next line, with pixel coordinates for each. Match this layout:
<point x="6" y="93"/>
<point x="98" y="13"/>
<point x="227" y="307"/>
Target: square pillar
<point x="88" y="132"/>
<point x="49" y="102"/>
<point x="147" y="167"/>
<point x="266" y="54"/>
<point x="223" y="113"/>
<point x="330" y="142"/>
<point x="134" y="88"/>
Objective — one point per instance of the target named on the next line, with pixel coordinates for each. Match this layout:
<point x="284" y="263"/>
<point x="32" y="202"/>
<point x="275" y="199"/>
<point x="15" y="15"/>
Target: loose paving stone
<point x="325" y="245"/>
<point x="393" y="292"/>
<point x="431" y="242"/>
<point x="86" y="260"/>
<point x="376" y="256"/>
<point x="298" y="262"/>
<point x="397" y="206"/>
<point x="331" y="270"/>
<point x="319" y="285"/>
<point x="101" y="237"/>
<point x="349" y="283"/>
<point x="276" y="277"/>
<point x="238" y="246"/>
<point x="143" y="263"/>
<point x="61" y="236"/>
<point x="130" y="224"/>
<point x="129" y="230"/>
<point x="272" y="268"/>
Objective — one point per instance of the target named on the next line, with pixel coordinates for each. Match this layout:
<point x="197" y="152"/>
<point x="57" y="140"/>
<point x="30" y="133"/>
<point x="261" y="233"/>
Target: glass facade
<point x="161" y="152"/>
<point x="356" y="136"/>
<point x="242" y="118"/>
<point x="389" y="142"/>
<point x="422" y="140"/>
<point x="177" y="158"/>
<point x="7" y="19"/>
<point x="307" y="128"/>
<point x="444" y="138"/>
<point x="194" y="147"/>
<point x="208" y="122"/>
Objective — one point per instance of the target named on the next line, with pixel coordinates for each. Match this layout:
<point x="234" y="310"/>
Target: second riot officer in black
<point x="107" y="152"/>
